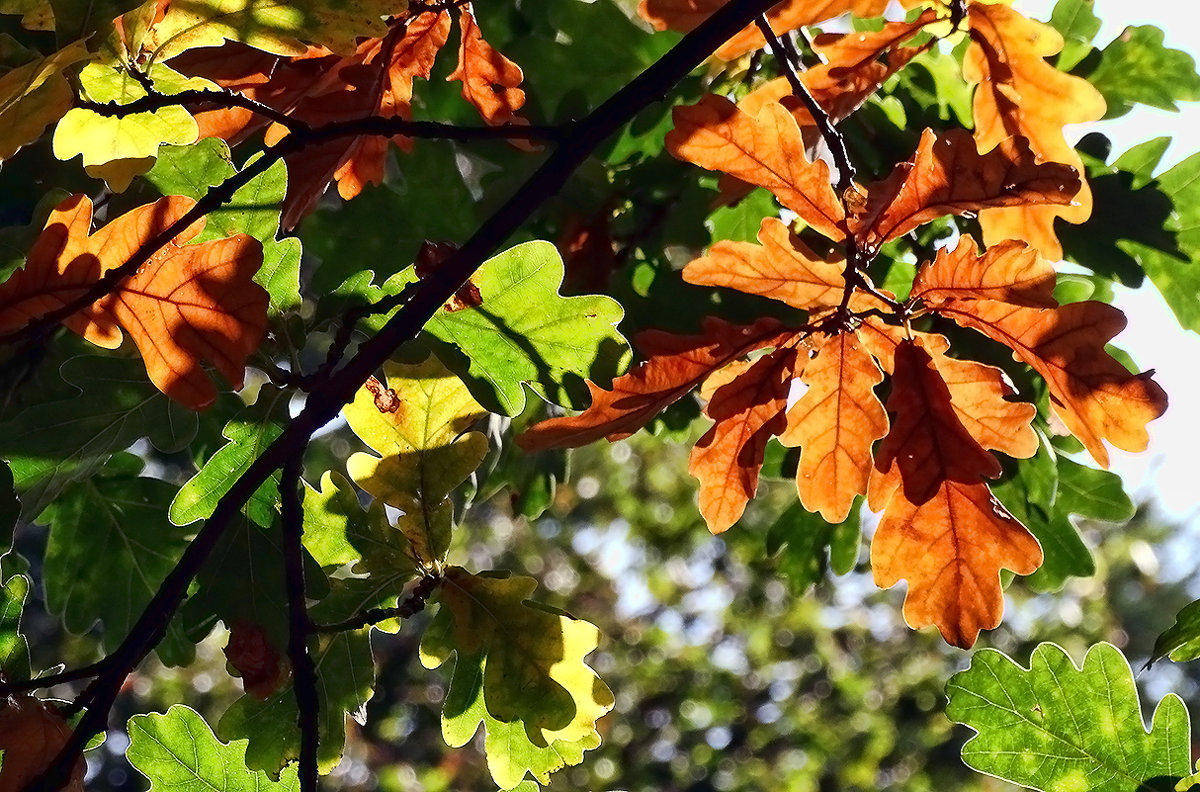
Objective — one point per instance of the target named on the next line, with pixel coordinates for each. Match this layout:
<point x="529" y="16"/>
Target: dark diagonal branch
<point x="304" y="671"/>
<point x="325" y="402"/>
<point x="833" y="139"/>
<point x="412" y="604"/>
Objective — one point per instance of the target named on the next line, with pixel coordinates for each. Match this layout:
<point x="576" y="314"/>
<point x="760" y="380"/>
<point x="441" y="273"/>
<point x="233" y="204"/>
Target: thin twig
<point x="324" y="403"/>
<point x="413" y="604"/>
<point x="833" y="139"/>
<point x="8" y="688"/>
<point x="304" y="671"/>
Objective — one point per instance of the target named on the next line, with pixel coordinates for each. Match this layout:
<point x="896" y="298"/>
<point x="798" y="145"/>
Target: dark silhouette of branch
<point x="412" y="604"/>
<point x="326" y="401"/>
<point x="833" y="139"/>
<point x="304" y="671"/>
<point x="89" y="671"/>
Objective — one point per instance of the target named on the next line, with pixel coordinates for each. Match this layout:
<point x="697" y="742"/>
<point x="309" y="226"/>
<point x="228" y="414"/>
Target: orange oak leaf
<point x="765" y="150"/>
<point x="979" y="395"/>
<point x="1019" y="93"/>
<point x="947" y="175"/>
<point x="188" y="303"/>
<point x="684" y="15"/>
<point x="927" y="443"/>
<point x="1093" y="394"/>
<point x="951" y="549"/>
<point x="747" y="412"/>
<point x="490" y="80"/>
<point x="835" y="423"/>
<point x="782" y="268"/>
<point x="674" y="365"/>
<point x="1011" y="272"/>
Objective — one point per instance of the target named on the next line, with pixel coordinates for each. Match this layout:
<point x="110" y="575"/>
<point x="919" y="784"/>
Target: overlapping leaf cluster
<point x="812" y="383"/>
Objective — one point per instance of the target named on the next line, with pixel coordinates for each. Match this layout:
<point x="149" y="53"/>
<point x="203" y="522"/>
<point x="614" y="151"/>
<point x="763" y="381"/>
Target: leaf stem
<point x="412" y="604"/>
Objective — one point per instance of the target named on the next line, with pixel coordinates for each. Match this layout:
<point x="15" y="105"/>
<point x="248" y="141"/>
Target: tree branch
<point x="412" y="604"/>
<point x="324" y="403"/>
<point x="304" y="672"/>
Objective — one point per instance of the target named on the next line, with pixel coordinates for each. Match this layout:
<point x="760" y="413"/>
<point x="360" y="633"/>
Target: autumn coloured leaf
<point x="746" y="412"/>
<point x="834" y="423"/>
<point x="35" y="95"/>
<point x="947" y="175"/>
<point x="927" y="443"/>
<point x="489" y="80"/>
<point x="187" y="304"/>
<point x="766" y="150"/>
<point x="1011" y="272"/>
<point x="1019" y="93"/>
<point x="781" y="268"/>
<point x="32" y="731"/>
<point x="979" y="395"/>
<point x="674" y="366"/>
<point x="951" y="549"/>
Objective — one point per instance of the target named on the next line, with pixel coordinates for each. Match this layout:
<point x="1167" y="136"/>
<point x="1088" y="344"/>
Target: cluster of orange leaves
<point x="192" y="303"/>
<point x="322" y="87"/>
<point x="927" y="466"/>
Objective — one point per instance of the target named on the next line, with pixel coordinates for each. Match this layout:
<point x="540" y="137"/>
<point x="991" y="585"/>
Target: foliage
<point x="288" y="419"/>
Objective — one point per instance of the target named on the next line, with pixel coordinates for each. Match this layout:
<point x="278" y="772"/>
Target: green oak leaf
<point x="741" y="222"/>
<point x="807" y="545"/>
<point x="1078" y="25"/>
<point x="534" y="655"/>
<point x="35" y="95"/>
<point x="281" y="28"/>
<point x="523" y="331"/>
<point x="248" y="436"/>
<point x="1056" y="727"/>
<point x="119" y="148"/>
<point x="14" y="590"/>
<point x="418" y="420"/>
<point x="108" y="552"/>
<point x="1137" y="69"/>
<point x="345" y="683"/>
<point x="511" y="752"/>
<point x="1180" y="641"/>
<point x="53" y="443"/>
<point x="177" y="751"/>
<point x="254" y="210"/>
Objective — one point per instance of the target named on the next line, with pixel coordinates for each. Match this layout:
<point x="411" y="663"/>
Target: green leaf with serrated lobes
<point x="248" y="438"/>
<point x="14" y="649"/>
<point x="807" y="545"/>
<point x="35" y="95"/>
<point x="1060" y="728"/>
<point x="254" y="210"/>
<point x="1078" y="25"/>
<point x="53" y="443"/>
<point x="524" y="332"/>
<point x="177" y="751"/>
<point x="345" y="683"/>
<point x="511" y="752"/>
<point x="1136" y="68"/>
<point x="108" y="552"/>
<point x="534" y="655"/>
<point x="418" y="421"/>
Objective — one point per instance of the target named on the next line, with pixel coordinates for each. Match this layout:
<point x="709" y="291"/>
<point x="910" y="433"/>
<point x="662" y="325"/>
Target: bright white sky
<point x="1167" y="471"/>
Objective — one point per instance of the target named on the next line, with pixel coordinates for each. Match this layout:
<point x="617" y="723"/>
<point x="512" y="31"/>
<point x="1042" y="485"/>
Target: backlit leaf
<point x="1054" y="726"/>
<point x="35" y="95"/>
<point x="766" y="150"/>
<point x="835" y="423"/>
<point x="674" y="366"/>
<point x="1019" y="93"/>
<point x="177" y="751"/>
<point x="1136" y="68"/>
<point x="490" y="81"/>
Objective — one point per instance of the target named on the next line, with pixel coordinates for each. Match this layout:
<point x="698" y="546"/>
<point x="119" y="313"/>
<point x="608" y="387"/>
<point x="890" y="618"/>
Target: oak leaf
<point x="951" y="549"/>
<point x="747" y="412"/>
<point x="674" y="365"/>
<point x="766" y="150"/>
<point x="927" y="443"/>
<point x="490" y="81"/>
<point x="188" y="303"/>
<point x="34" y="95"/>
<point x="1011" y="272"/>
<point x="835" y="423"/>
<point x="781" y="268"/>
<point x="947" y="175"/>
<point x="1019" y="93"/>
